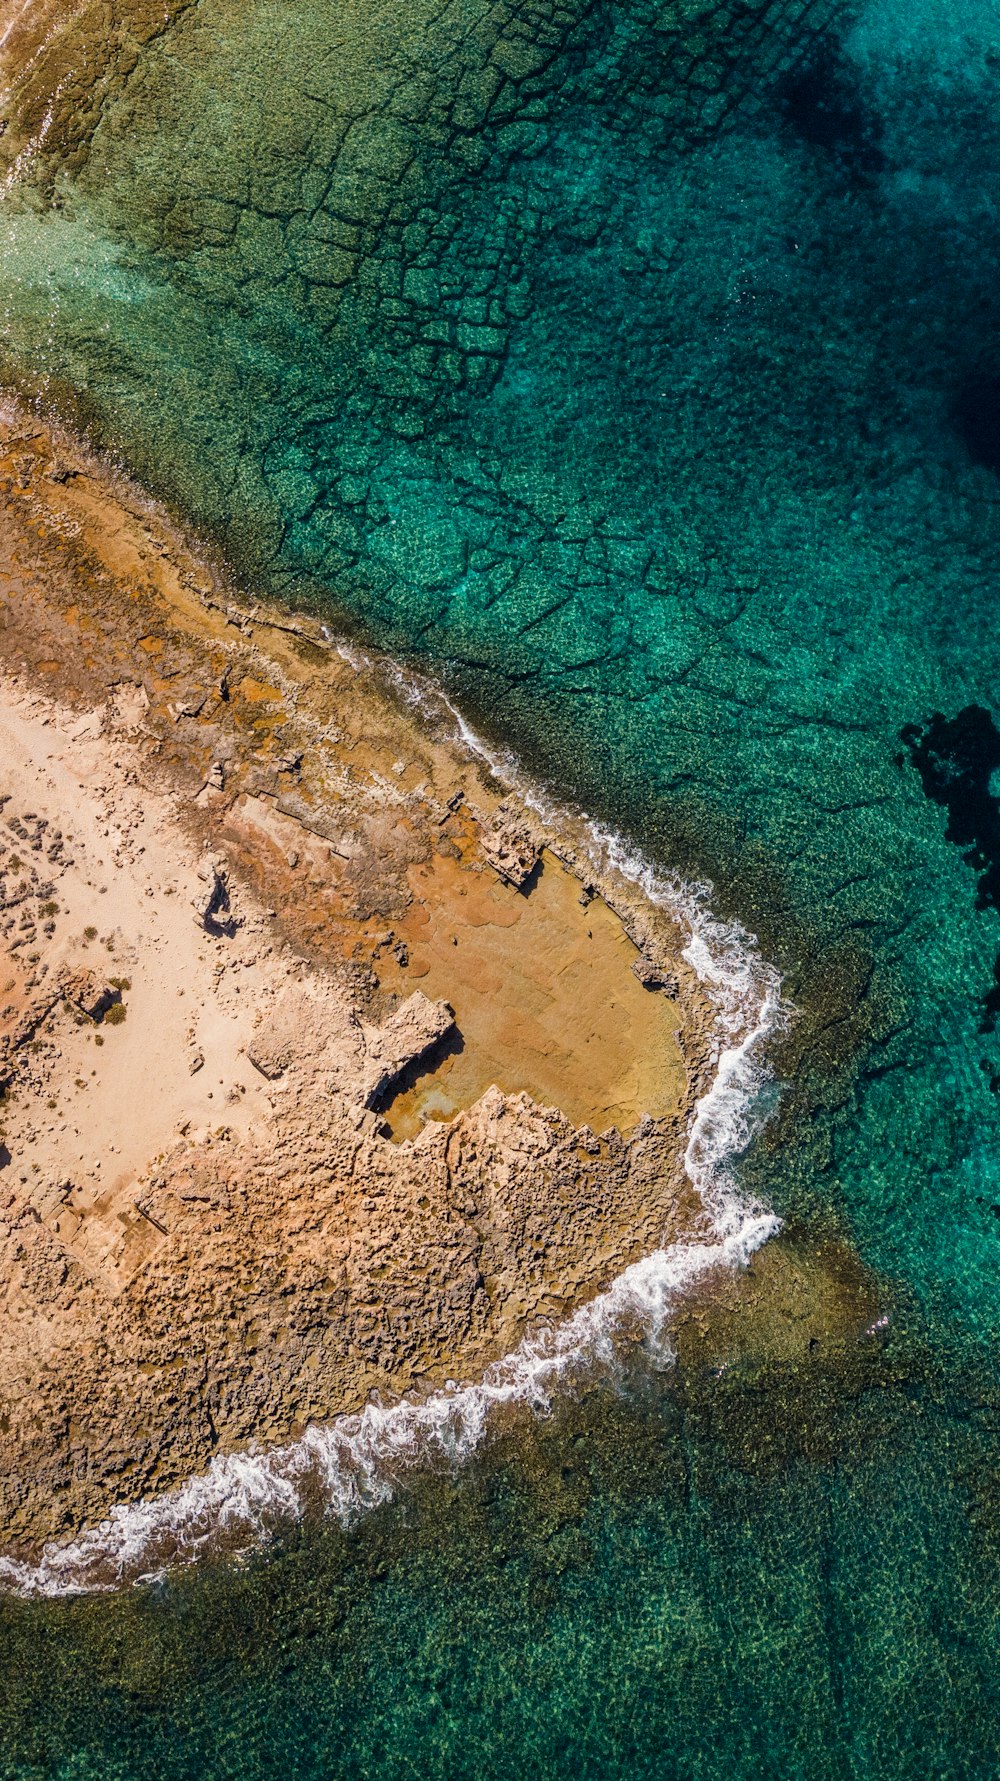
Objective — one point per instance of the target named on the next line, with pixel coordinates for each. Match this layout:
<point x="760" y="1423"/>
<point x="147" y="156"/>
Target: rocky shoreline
<point x="208" y="1234"/>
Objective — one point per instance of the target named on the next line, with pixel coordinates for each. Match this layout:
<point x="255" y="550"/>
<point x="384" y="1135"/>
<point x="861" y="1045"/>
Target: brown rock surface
<point x="244" y="891"/>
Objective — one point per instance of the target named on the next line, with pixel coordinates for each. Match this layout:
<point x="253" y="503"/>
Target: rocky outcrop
<point x="213" y="905"/>
<point x="268" y="1257"/>
<point x="510" y="845"/>
<point x="407" y="1037"/>
<point x="282" y="1285"/>
<point x="655" y="976"/>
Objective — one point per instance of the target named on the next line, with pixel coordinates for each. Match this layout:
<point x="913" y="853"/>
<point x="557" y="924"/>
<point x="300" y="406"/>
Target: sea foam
<point x="358" y="1461"/>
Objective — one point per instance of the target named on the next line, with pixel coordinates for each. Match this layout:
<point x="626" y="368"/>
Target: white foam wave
<point x="356" y="1462"/>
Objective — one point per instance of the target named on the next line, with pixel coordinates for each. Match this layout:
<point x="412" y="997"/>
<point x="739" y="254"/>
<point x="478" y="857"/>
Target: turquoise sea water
<point x="636" y="369"/>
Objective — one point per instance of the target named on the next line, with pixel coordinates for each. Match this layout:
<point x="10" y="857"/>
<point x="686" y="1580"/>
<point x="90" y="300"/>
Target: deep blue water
<point x="637" y="369"/>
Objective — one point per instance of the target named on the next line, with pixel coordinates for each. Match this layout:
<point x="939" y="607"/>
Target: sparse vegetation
<point x="115" y="1014"/>
<point x="120" y="983"/>
<point x="97" y="1039"/>
<point x="48" y="909"/>
<point x="90" y="933"/>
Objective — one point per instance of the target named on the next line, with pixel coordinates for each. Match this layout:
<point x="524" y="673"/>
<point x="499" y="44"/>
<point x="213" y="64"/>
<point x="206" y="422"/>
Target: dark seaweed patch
<point x="956" y="759"/>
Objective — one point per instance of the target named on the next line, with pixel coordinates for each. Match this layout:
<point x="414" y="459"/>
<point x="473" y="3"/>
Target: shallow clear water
<point x="623" y="1595"/>
<point x="638" y="370"/>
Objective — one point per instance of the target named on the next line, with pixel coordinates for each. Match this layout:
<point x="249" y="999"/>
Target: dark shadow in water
<point x="956" y="759"/>
<point x="820" y="100"/>
<point x="977" y="417"/>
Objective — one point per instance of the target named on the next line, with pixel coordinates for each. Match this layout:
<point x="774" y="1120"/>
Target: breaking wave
<point x="357" y="1462"/>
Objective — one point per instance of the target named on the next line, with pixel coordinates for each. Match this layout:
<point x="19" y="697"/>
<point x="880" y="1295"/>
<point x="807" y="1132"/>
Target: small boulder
<point x="508" y="845"/>
<point x="212" y="905"/>
<point x="653" y="976"/>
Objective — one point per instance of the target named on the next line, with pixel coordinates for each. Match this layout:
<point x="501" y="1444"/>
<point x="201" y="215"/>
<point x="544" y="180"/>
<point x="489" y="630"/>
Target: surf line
<point x="357" y="1462"/>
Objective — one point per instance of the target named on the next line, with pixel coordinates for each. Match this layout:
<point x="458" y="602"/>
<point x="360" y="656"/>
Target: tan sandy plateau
<point x="326" y="1067"/>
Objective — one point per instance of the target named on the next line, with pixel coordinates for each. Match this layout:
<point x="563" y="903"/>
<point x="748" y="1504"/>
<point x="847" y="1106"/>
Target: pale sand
<point x="120" y="1104"/>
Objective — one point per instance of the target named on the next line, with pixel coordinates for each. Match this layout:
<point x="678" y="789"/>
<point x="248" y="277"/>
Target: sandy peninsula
<point x="326" y="1065"/>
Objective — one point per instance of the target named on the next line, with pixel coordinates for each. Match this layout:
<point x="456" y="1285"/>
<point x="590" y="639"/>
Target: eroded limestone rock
<point x="509" y="844"/>
<point x="407" y="1036"/>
